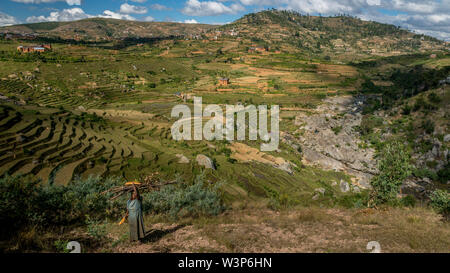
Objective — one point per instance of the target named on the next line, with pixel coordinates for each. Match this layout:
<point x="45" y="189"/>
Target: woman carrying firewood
<point x="135" y="217"/>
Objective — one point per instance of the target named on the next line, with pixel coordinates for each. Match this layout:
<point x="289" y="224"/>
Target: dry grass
<point x="302" y="230"/>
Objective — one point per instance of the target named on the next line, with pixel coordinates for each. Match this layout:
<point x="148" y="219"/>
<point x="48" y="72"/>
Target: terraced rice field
<point x="58" y="146"/>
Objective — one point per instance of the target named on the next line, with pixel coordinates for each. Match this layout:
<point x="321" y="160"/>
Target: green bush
<point x="444" y="174"/>
<point x="24" y="202"/>
<point x="368" y="123"/>
<point x="434" y="98"/>
<point x="408" y="201"/>
<point x="337" y="130"/>
<point x="61" y="246"/>
<point x="394" y="167"/>
<point x="369" y="87"/>
<point x="17" y="195"/>
<point x="440" y="201"/>
<point x="425" y="172"/>
<point x="195" y="200"/>
<point x="406" y="109"/>
<point x="95" y="229"/>
<point x="356" y="200"/>
<point x="428" y="126"/>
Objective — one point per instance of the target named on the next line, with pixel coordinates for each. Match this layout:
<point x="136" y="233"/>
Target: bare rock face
<point x="345" y="187"/>
<point x="320" y="190"/>
<point x="286" y="166"/>
<point x="438" y="153"/>
<point x="328" y="138"/>
<point x="205" y="161"/>
<point x="419" y="188"/>
<point x="447" y="138"/>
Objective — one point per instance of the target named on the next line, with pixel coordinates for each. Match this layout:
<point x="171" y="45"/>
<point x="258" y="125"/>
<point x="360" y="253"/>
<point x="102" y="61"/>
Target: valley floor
<point x="298" y="230"/>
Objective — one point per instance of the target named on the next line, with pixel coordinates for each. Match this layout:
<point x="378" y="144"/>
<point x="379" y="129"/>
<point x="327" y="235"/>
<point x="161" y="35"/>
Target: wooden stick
<point x="145" y="187"/>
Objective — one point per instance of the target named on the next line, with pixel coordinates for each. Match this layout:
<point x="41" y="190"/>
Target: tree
<point x="394" y="167"/>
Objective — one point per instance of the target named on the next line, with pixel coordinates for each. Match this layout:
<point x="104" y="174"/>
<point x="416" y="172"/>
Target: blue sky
<point x="430" y="17"/>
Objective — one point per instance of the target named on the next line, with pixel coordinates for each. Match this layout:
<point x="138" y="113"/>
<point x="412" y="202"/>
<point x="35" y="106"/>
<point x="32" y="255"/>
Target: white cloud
<point x="115" y="15"/>
<point x="412" y="6"/>
<point x="374" y="2"/>
<point x="7" y="20"/>
<point x="190" y="21"/>
<point x="148" y="19"/>
<point x="130" y="9"/>
<point x="76" y="14"/>
<point x="159" y="7"/>
<point x="73" y="2"/>
<point x="69" y="2"/>
<point x="209" y="8"/>
<point x="64" y="15"/>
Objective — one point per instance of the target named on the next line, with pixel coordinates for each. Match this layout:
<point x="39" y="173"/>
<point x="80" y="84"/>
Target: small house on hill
<point x="34" y="48"/>
<point x="224" y="81"/>
<point x="256" y="49"/>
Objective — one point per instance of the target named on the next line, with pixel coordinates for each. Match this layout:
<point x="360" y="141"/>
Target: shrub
<point x="369" y="87"/>
<point x="368" y="123"/>
<point x="61" y="246"/>
<point x="418" y="104"/>
<point x="17" y="195"/>
<point x="425" y="172"/>
<point x="356" y="200"/>
<point x="95" y="229"/>
<point x="434" y="98"/>
<point x="394" y="167"/>
<point x="444" y="174"/>
<point x="195" y="200"/>
<point x="440" y="201"/>
<point x="337" y="130"/>
<point x="24" y="202"/>
<point x="408" y="201"/>
<point x="406" y="109"/>
<point x="428" y="126"/>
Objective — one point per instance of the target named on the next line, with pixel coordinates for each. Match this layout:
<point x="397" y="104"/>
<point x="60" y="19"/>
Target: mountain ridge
<point x="288" y="31"/>
<point x="106" y="29"/>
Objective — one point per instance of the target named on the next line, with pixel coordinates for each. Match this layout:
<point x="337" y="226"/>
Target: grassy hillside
<point x="344" y="36"/>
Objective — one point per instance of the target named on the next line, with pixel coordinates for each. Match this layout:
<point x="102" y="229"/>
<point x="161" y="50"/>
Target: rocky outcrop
<point x="205" y="161"/>
<point x="438" y="154"/>
<point x="344" y="186"/>
<point x="182" y="159"/>
<point x="328" y="138"/>
<point x="417" y="187"/>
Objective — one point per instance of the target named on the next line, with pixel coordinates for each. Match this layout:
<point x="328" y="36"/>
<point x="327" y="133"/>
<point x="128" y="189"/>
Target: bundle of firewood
<point x="148" y="184"/>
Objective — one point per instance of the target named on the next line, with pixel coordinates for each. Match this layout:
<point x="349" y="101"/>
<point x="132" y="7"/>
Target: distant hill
<point x="286" y="30"/>
<point x="330" y="35"/>
<point x="107" y="29"/>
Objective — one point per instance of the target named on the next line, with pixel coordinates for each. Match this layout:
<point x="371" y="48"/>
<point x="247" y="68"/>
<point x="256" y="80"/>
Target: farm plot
<point x="60" y="146"/>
